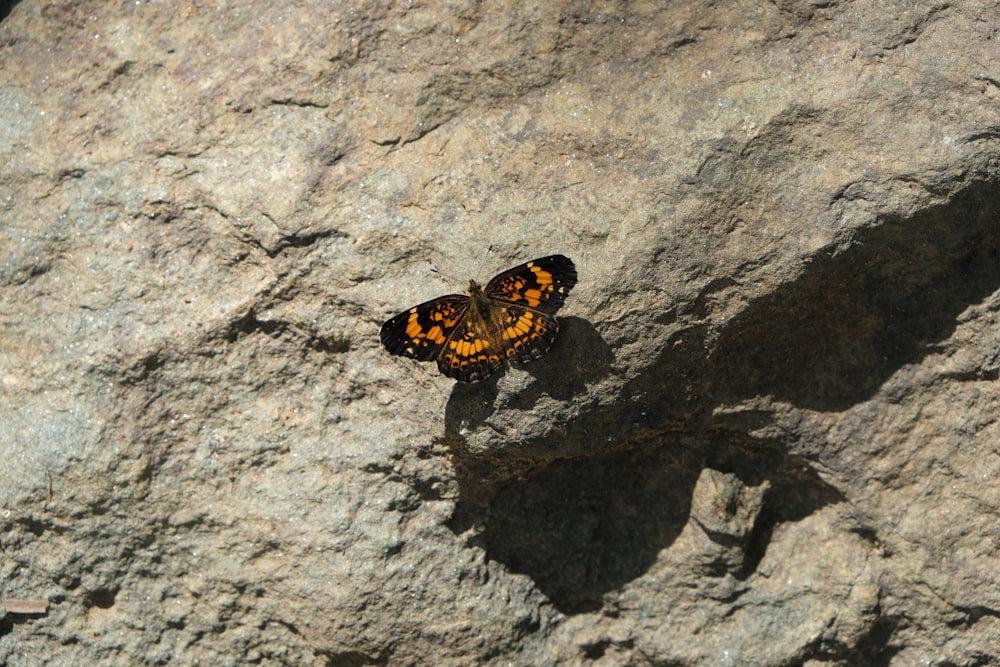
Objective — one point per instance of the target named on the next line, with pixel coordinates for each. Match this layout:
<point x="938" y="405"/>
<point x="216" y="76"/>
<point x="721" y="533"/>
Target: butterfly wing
<point x="526" y="299"/>
<point x="541" y="284"/>
<point x="422" y="332"/>
<point x="473" y="352"/>
<point x="442" y="330"/>
<point x="526" y="333"/>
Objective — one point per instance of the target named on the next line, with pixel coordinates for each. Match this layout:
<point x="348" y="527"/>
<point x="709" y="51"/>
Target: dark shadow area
<point x="6" y="7"/>
<point x="585" y="526"/>
<point x="796" y="492"/>
<point x="830" y="339"/>
<point x="876" y="648"/>
<point x="102" y="598"/>
<point x="582" y="526"/>
<point x="8" y="620"/>
<point x="579" y="357"/>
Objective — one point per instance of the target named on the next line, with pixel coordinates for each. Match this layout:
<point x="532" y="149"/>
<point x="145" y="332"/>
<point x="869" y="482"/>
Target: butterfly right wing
<point x="541" y="284"/>
<point x="527" y="298"/>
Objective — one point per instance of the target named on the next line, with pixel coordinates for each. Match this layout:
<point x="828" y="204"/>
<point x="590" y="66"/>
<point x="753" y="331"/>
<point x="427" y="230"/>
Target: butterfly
<point x="472" y="335"/>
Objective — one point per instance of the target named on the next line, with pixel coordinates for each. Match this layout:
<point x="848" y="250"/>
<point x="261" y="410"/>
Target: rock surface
<point x="767" y="433"/>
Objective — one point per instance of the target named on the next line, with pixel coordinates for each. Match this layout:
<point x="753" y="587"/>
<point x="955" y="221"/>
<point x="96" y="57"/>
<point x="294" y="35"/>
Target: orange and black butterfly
<point x="470" y="336"/>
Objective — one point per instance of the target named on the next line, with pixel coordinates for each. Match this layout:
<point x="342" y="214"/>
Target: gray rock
<point x="767" y="432"/>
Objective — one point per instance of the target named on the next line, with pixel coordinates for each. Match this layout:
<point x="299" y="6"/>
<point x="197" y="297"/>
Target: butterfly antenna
<point x="482" y="262"/>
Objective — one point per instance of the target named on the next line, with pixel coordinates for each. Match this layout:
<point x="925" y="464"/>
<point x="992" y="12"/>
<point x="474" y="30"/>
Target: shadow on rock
<point x="830" y="339"/>
<point x="586" y="525"/>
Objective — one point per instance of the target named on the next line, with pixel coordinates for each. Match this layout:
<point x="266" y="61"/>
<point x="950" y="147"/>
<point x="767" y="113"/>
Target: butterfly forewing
<point x="422" y="331"/>
<point x="542" y="284"/>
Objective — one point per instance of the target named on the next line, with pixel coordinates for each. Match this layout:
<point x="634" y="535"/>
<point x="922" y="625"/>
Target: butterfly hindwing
<point x="473" y="352"/>
<point x="526" y="333"/>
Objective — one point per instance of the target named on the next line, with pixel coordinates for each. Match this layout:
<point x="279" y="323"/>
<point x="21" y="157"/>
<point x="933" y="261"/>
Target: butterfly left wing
<point x="422" y="332"/>
<point x="441" y="330"/>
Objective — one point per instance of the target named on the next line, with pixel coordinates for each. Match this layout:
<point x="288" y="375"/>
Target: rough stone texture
<point x="767" y="433"/>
